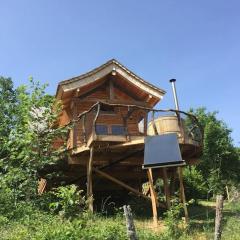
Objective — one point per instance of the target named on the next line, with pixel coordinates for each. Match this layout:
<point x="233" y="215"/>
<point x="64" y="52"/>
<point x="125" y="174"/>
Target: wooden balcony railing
<point x="156" y="122"/>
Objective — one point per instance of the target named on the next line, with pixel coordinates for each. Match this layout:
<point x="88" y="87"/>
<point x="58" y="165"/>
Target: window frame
<point x="118" y="125"/>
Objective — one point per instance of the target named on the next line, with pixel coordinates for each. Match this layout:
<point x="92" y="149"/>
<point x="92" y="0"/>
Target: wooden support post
<point x="153" y="197"/>
<point x="166" y="187"/>
<point x="89" y="181"/>
<point x="173" y="181"/>
<point x="182" y="194"/>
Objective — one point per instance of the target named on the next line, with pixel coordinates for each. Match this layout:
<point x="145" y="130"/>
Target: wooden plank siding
<point x="101" y="93"/>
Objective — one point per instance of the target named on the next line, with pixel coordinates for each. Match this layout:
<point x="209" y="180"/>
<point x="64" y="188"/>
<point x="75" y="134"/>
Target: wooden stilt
<point x="166" y="187"/>
<point x="153" y="197"/>
<point x="89" y="181"/>
<point x="182" y="193"/>
<point x="172" y="181"/>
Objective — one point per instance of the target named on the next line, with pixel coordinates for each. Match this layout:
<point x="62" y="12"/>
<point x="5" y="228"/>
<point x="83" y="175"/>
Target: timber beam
<point x="124" y="185"/>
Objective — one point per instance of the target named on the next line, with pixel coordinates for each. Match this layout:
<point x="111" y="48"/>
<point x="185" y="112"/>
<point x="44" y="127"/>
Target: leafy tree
<point x="219" y="162"/>
<point x="28" y="143"/>
<point x="7" y="112"/>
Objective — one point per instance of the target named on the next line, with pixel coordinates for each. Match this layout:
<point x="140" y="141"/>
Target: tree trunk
<point x="131" y="232"/>
<point x="218" y="219"/>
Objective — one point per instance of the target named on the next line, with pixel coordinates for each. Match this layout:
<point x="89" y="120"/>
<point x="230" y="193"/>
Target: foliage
<point x="70" y="201"/>
<point x="27" y="132"/>
<point x="220" y="161"/>
<point x="173" y="221"/>
<point x="195" y="185"/>
<point x="28" y="143"/>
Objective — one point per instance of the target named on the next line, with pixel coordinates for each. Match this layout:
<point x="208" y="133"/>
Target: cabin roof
<point x="102" y="71"/>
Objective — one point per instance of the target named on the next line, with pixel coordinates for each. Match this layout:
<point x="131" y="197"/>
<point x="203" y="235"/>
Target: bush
<point x="173" y="221"/>
<point x="70" y="201"/>
<point x="195" y="186"/>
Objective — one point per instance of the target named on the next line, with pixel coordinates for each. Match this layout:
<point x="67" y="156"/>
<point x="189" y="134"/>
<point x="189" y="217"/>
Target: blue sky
<point x="196" y="42"/>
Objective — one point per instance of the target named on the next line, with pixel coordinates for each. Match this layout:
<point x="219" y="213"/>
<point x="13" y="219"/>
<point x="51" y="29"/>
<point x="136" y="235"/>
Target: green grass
<point x="30" y="223"/>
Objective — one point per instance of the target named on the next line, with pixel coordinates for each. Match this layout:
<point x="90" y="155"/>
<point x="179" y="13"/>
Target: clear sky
<point x="196" y="42"/>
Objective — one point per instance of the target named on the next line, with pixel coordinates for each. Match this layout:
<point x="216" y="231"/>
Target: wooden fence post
<point x="131" y="232"/>
<point x="218" y="219"/>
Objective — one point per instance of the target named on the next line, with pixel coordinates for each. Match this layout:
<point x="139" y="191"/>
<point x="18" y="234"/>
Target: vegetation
<point x="27" y="132"/>
<point x="220" y="161"/>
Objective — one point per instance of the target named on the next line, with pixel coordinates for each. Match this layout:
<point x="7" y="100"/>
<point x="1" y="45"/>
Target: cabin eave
<point x="76" y="83"/>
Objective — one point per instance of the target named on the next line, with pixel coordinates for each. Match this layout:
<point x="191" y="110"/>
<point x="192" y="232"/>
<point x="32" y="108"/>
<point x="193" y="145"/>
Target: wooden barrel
<point x="167" y="124"/>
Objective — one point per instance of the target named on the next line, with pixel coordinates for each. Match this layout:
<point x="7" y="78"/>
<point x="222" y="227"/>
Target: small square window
<point x="101" y="129"/>
<point x="118" y="130"/>
<point x="105" y="109"/>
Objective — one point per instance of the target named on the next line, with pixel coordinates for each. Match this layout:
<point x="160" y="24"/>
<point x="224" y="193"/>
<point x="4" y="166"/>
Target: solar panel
<point x="162" y="151"/>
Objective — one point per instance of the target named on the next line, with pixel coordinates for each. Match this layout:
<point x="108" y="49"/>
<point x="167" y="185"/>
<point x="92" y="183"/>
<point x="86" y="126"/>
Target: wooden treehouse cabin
<point x="112" y="111"/>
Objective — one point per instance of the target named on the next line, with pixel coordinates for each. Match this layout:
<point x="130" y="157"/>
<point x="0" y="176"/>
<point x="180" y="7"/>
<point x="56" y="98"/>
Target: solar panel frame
<point x="166" y="148"/>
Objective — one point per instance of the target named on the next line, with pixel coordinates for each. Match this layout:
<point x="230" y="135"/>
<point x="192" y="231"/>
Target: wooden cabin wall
<point x="102" y="93"/>
<point x="110" y="120"/>
<point x="65" y="117"/>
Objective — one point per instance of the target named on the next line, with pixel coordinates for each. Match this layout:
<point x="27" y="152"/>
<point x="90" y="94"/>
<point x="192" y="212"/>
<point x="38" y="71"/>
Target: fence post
<point x="218" y="219"/>
<point x="131" y="232"/>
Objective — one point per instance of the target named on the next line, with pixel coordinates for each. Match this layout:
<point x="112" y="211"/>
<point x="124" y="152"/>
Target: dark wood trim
<point x="84" y="128"/>
<point x="111" y="89"/>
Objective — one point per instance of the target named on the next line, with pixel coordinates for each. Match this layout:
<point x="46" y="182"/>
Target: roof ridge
<point x="111" y="61"/>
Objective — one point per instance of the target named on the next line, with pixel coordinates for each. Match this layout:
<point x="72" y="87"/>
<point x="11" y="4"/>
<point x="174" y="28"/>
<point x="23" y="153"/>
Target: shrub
<point x="70" y="201"/>
<point x="195" y="186"/>
<point x="173" y="221"/>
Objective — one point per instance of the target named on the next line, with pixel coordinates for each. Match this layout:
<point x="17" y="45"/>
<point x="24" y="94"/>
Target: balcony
<point x="109" y="126"/>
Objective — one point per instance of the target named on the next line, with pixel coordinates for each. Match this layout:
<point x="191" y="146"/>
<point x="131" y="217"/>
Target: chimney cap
<point x="172" y="80"/>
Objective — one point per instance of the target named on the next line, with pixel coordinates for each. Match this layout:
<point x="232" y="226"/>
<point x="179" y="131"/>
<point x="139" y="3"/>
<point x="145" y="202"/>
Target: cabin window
<point x="118" y="130"/>
<point x="101" y="129"/>
<point x="106" y="109"/>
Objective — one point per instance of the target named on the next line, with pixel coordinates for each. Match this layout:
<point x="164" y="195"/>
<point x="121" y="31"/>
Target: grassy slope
<point x="38" y="225"/>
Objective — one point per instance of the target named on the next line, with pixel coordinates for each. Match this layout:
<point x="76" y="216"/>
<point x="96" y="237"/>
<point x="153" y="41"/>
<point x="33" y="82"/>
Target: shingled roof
<point x="106" y="68"/>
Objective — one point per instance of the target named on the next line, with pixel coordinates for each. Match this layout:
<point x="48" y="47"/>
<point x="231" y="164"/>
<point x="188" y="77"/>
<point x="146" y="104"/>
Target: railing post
<point x="145" y="124"/>
<point x="154" y="124"/>
<point x="95" y="119"/>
